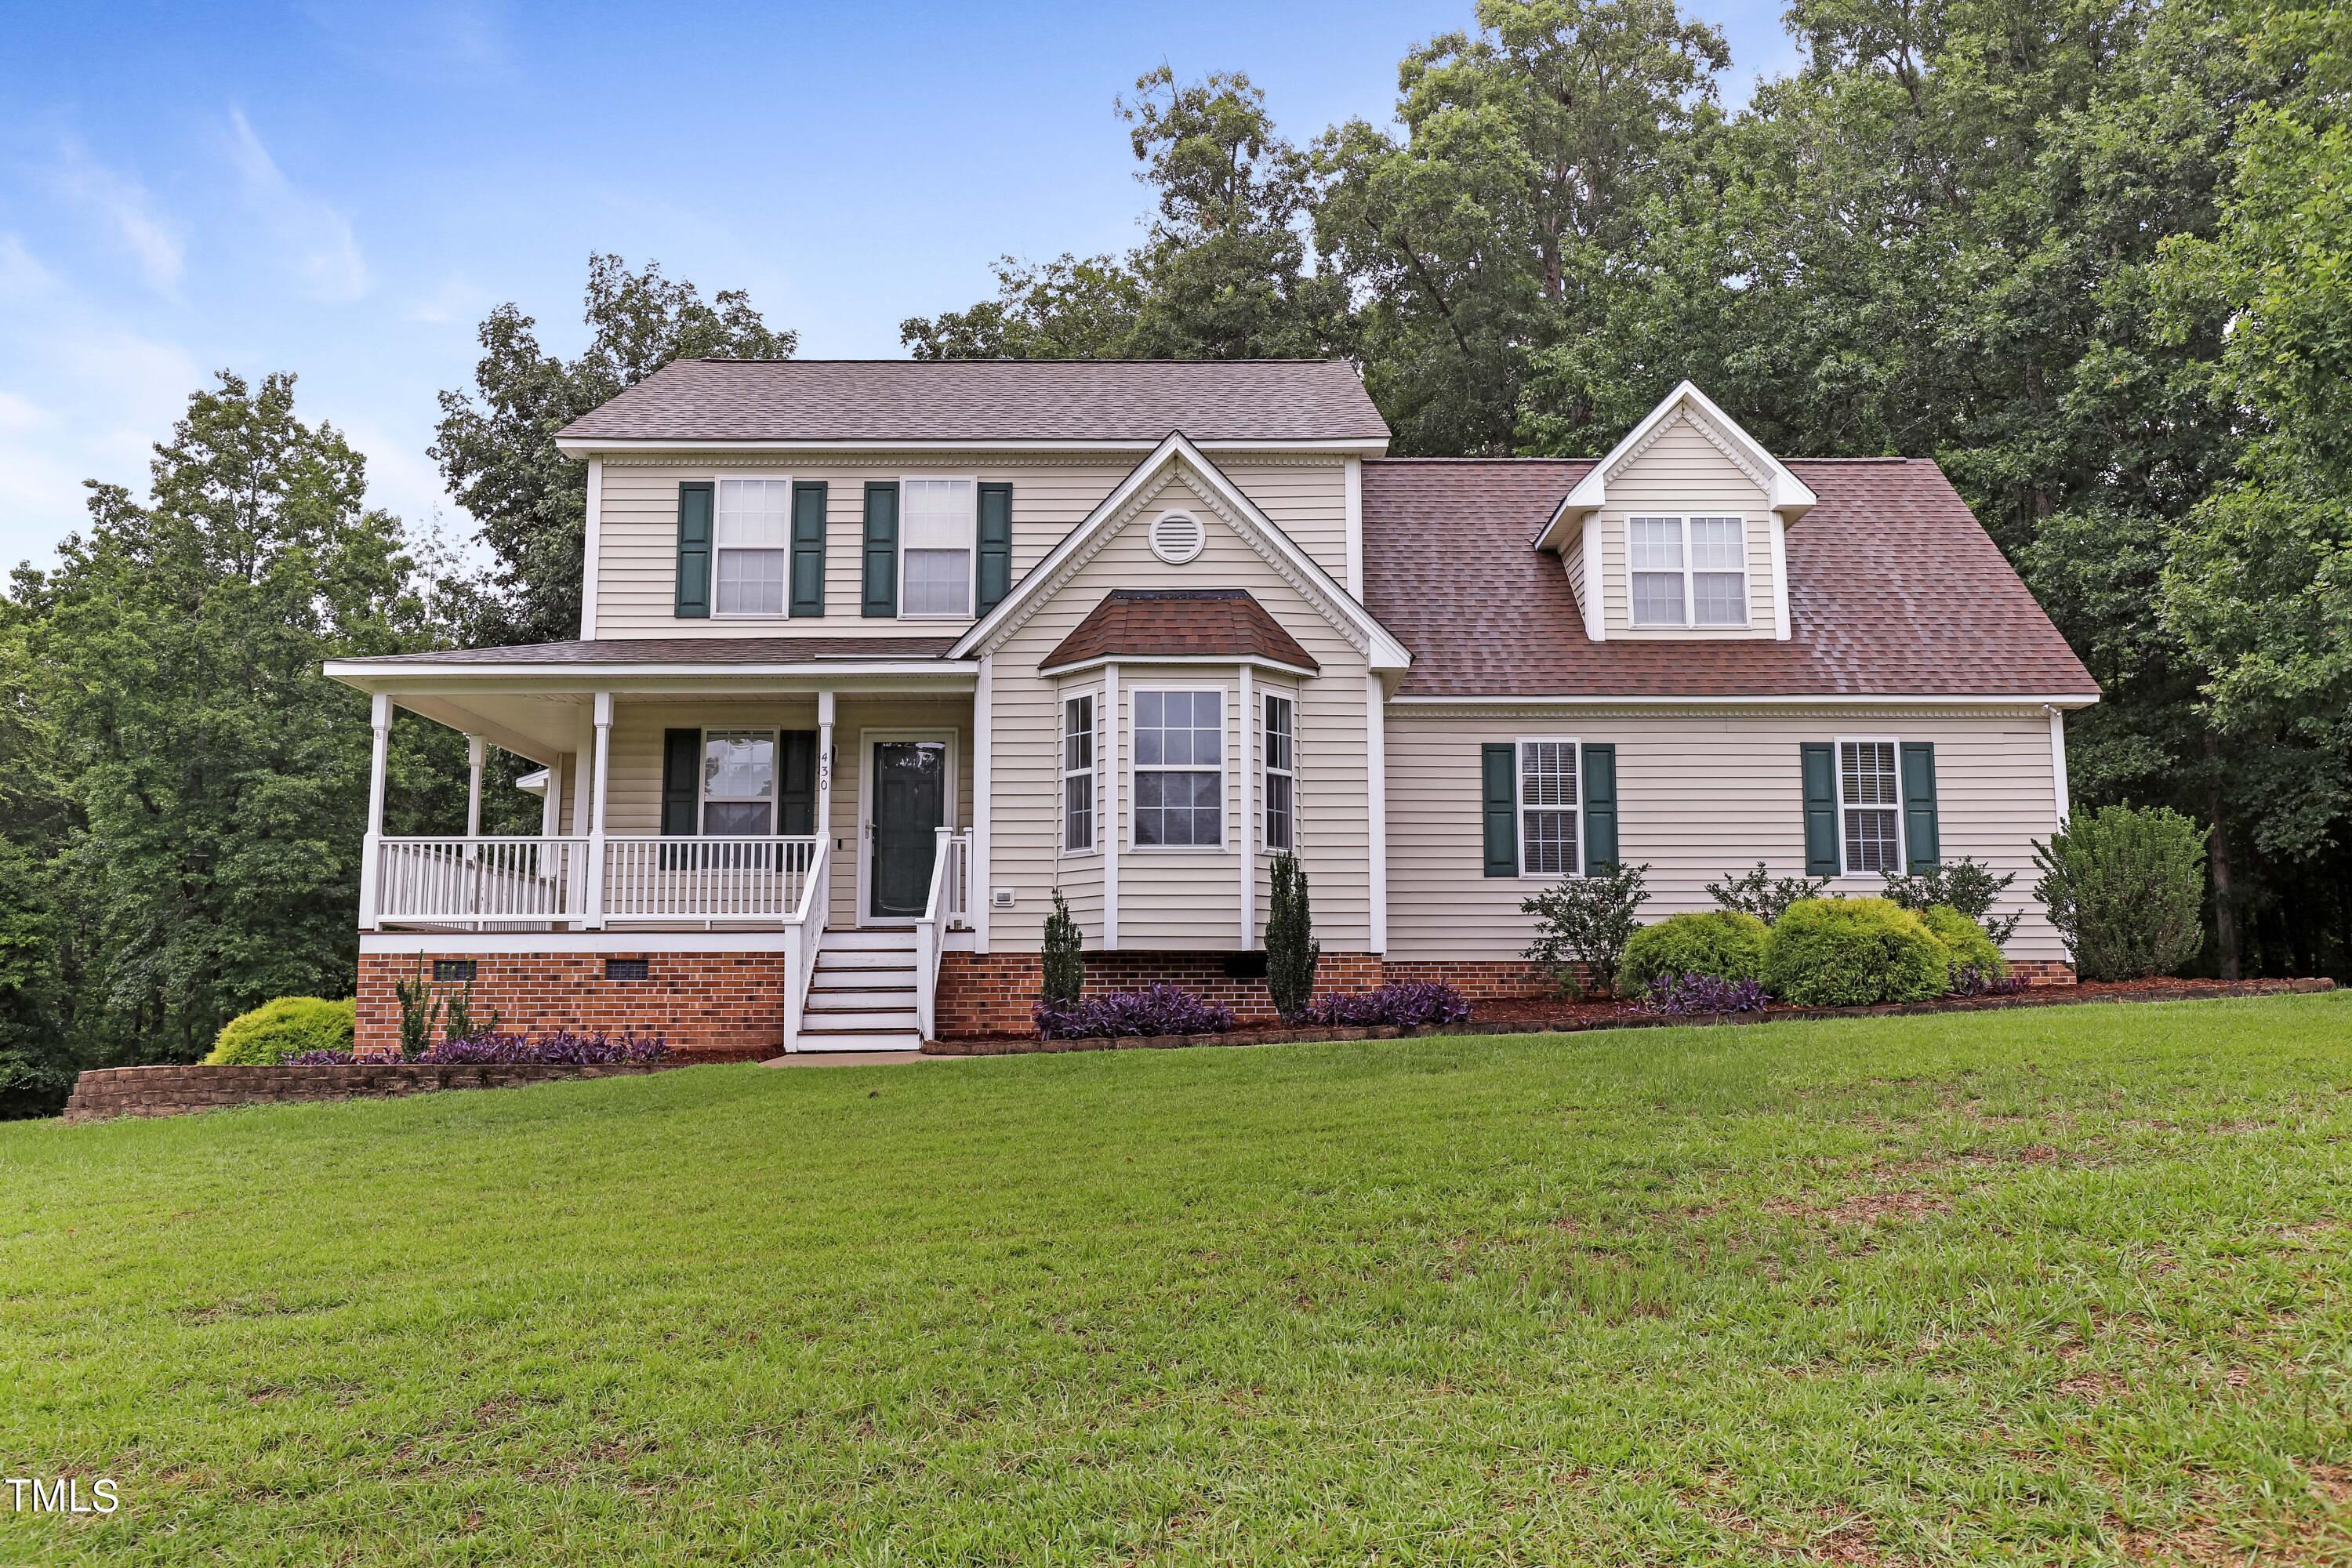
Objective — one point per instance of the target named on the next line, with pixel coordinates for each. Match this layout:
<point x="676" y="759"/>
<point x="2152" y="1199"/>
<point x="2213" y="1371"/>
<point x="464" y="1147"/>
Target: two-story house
<point x="878" y="657"/>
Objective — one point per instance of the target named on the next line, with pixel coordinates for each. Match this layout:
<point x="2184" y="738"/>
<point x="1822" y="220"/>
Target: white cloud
<point x="455" y="301"/>
<point x="123" y="204"/>
<point x="317" y="238"/>
<point x="449" y="41"/>
<point x="21" y="277"/>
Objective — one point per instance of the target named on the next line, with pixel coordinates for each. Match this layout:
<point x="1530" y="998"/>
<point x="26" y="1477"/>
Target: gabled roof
<point x="1784" y="493"/>
<point x="1179" y="623"/>
<point x="1382" y="651"/>
<point x="1894" y="588"/>
<point x="1045" y="402"/>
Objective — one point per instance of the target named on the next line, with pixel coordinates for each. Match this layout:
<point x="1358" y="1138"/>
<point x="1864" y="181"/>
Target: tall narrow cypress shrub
<point x="1291" y="950"/>
<point x="1065" y="966"/>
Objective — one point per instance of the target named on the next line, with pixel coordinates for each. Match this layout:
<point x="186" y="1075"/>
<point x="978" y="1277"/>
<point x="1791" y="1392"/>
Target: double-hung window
<point x="1281" y="779"/>
<point x="752" y="538"/>
<point x="938" y="522"/>
<point x="1078" y="774"/>
<point x="1688" y="571"/>
<point x="1547" y="808"/>
<point x="739" y="782"/>
<point x="1180" y="777"/>
<point x="1870" y="815"/>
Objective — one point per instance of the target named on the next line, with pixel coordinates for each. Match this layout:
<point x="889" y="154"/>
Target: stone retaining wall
<point x="169" y="1090"/>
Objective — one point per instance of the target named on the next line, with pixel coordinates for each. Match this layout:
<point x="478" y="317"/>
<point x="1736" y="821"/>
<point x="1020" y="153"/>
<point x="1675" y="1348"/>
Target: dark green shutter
<point x="681" y="781"/>
<point x="996" y="547"/>
<point x="1820" y="768"/>
<point x="796" y="783"/>
<point x="880" y="595"/>
<point x="1920" y="828"/>
<point x="808" y="548"/>
<point x="1600" y="810"/>
<point x="694" y="549"/>
<point x="1499" y="804"/>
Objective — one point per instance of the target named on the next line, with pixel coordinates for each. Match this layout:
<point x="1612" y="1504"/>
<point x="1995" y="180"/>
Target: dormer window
<point x="1688" y="571"/>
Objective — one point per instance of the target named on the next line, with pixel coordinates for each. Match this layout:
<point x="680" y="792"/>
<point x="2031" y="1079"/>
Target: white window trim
<point x="1837" y="783"/>
<point x="784" y="606"/>
<point x="898" y="567"/>
<point x="1266" y="769"/>
<point x="1226" y="844"/>
<point x="1065" y="773"/>
<point x="1690" y="621"/>
<point x="703" y="777"/>
<point x="1519" y="804"/>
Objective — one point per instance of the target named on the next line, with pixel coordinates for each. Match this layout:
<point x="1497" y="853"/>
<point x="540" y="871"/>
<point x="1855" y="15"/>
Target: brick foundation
<point x="991" y="994"/>
<point x="710" y="1006"/>
<point x="2042" y="971"/>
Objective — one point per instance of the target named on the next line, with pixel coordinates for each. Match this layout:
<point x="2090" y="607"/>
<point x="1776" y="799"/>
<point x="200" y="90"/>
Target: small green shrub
<point x="1722" y="944"/>
<point x="285" y="1027"/>
<point x="1850" y="952"/>
<point x="1065" y="963"/>
<point x="1966" y="944"/>
<point x="2125" y="888"/>
<point x="1291" y="950"/>
<point x="1762" y="894"/>
<point x="1966" y="886"/>
<point x="1587" y="920"/>
<point x="419" y="1010"/>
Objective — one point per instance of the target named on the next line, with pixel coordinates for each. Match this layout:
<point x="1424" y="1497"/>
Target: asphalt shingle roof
<point x="1185" y="623"/>
<point x="989" y="400"/>
<point x="1894" y="590"/>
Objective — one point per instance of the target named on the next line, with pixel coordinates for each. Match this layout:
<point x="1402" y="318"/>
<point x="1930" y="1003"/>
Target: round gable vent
<point x="1177" y="537"/>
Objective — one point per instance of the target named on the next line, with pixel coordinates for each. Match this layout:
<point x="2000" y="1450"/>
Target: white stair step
<point x="855" y="941"/>
<point x="860" y="1040"/>
<point x="861" y="961"/>
<point x="884" y="1018"/>
<point x="861" y="995"/>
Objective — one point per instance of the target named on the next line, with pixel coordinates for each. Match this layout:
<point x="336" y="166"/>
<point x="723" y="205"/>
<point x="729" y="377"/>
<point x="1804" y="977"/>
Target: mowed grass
<point x="2070" y="1285"/>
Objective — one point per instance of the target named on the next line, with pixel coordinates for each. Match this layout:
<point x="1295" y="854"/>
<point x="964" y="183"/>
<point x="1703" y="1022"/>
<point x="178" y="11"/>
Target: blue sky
<point x="343" y="191"/>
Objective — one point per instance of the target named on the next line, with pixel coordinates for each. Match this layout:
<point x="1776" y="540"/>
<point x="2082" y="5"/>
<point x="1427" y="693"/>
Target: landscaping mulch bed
<point x="1558" y="1015"/>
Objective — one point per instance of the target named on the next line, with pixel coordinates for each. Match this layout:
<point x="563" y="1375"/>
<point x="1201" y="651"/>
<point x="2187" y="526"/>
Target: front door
<point x="911" y="797"/>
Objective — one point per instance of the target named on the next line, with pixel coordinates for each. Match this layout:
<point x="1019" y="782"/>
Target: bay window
<point x="1280" y="778"/>
<point x="1179" y="779"/>
<point x="1078" y="774"/>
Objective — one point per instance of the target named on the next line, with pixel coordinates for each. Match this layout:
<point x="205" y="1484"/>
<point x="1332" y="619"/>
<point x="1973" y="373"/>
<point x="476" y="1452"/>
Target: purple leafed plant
<point x="1970" y="981"/>
<point x="1682" y="995"/>
<point x="1401" y="1002"/>
<point x="1154" y="1010"/>
<point x="554" y="1046"/>
<point x="320" y="1060"/>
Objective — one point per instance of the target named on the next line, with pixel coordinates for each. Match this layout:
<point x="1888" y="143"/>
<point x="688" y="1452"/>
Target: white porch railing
<point x="708" y="879"/>
<point x="802" y="933"/>
<point x="480" y="881"/>
<point x="484" y="883"/>
<point x="947" y="907"/>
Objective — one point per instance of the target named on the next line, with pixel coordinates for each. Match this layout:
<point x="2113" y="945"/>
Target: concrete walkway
<point x="848" y="1059"/>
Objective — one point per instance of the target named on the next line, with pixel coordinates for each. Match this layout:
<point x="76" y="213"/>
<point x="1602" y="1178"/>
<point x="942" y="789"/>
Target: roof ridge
<point x="792" y="359"/>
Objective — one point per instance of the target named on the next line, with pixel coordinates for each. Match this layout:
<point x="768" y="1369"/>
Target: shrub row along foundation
<point x="169" y="1090"/>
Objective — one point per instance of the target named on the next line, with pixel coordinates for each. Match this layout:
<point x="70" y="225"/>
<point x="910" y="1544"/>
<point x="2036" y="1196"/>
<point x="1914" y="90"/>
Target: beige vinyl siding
<point x="1697" y="796"/>
<point x="637" y="528"/>
<point x="1175" y="900"/>
<point x="633" y="802"/>
<point x="1684" y="474"/>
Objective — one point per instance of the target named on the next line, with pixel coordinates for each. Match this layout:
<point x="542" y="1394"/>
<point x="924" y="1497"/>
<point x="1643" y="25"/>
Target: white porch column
<point x="1249" y="814"/>
<point x="824" y="765"/>
<point x="1376" y="779"/>
<point x="1110" y="749"/>
<point x="371" y="842"/>
<point x="474" y="757"/>
<point x="599" y="788"/>
<point x="551" y="809"/>
<point x="976" y="893"/>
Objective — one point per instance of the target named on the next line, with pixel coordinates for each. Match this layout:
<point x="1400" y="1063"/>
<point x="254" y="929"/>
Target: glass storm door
<point x="910" y="792"/>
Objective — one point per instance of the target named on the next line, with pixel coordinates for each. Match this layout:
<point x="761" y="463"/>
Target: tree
<point x="496" y="445"/>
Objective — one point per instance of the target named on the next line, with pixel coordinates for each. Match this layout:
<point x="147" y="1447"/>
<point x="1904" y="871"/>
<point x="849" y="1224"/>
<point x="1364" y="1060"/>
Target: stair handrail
<point x="937" y="909"/>
<point x="801" y="941"/>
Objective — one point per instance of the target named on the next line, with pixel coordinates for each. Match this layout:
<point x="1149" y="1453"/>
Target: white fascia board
<point x="1362" y="446"/>
<point x="378" y="675"/>
<point x="1154" y="661"/>
<point x="1387" y="652"/>
<point x="1785" y="492"/>
<point x="1507" y="699"/>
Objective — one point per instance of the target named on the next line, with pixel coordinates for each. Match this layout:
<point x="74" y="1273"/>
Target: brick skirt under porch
<point x="710" y="1006"/>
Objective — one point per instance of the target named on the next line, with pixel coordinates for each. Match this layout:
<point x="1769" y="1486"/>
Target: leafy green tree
<point x="496" y="444"/>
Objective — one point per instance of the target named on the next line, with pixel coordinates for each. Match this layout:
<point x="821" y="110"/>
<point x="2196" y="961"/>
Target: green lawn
<point x="2056" y="1285"/>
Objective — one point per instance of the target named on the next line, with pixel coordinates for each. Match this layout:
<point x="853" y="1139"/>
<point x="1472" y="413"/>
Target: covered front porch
<point x="696" y="816"/>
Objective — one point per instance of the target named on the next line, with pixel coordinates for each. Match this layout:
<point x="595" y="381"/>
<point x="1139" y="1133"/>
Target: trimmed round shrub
<point x="1966" y="945"/>
<point x="288" y="1027"/>
<point x="1850" y="952"/>
<point x="1722" y="944"/>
